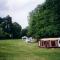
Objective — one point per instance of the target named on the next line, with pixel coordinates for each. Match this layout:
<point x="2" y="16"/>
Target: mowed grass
<point x="20" y="50"/>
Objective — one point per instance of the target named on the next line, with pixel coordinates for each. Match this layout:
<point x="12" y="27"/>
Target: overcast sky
<point x="18" y="9"/>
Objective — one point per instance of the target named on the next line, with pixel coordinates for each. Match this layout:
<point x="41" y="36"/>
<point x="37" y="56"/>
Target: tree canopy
<point x="24" y="32"/>
<point x="9" y="29"/>
<point x="44" y="20"/>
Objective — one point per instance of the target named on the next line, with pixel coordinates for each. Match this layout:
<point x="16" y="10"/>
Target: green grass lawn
<point x="20" y="50"/>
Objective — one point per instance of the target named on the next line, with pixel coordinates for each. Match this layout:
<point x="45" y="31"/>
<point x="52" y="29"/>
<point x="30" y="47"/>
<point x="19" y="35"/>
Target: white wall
<point x="58" y="43"/>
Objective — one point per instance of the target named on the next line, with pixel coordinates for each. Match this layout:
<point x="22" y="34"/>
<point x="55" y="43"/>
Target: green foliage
<point x="9" y="29"/>
<point x="44" y="21"/>
<point x="24" y="32"/>
<point x="16" y="30"/>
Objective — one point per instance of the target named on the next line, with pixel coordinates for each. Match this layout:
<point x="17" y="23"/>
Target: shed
<point x="27" y="39"/>
<point x="24" y="37"/>
<point x="49" y="43"/>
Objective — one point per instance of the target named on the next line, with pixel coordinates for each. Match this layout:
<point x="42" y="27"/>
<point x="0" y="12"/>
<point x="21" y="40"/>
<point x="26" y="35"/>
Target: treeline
<point x="44" y="20"/>
<point x="8" y="29"/>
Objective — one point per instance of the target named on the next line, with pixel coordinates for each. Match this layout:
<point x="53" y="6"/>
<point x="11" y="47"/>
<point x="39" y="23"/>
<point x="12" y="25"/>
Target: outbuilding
<point x="27" y="39"/>
<point x="49" y="43"/>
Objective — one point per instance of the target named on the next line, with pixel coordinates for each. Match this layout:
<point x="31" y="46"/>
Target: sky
<point x="18" y="9"/>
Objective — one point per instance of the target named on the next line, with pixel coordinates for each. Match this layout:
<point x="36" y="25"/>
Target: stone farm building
<point x="49" y="43"/>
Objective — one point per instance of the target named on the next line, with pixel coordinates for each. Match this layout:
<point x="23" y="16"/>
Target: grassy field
<point x="19" y="50"/>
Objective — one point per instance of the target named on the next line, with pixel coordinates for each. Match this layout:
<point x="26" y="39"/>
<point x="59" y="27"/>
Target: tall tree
<point x="9" y="29"/>
<point x="44" y="21"/>
<point x="16" y="30"/>
<point x="7" y="24"/>
<point x="24" y="32"/>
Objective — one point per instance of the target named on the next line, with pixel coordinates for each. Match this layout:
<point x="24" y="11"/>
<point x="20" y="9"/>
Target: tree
<point x="16" y="30"/>
<point x="44" y="21"/>
<point x="9" y="29"/>
<point x="7" y="24"/>
<point x="24" y="32"/>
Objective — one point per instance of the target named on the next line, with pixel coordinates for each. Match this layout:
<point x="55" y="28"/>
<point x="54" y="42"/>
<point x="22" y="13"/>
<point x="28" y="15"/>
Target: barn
<point x="49" y="43"/>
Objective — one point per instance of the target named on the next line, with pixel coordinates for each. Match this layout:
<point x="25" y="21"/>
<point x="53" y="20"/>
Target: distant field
<point x="19" y="50"/>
